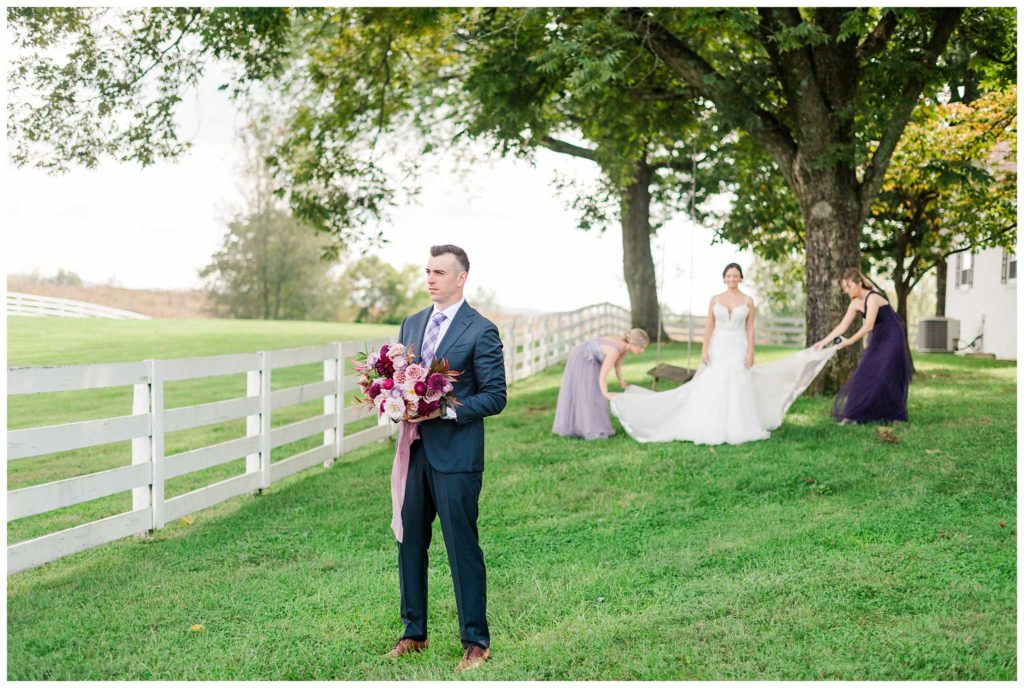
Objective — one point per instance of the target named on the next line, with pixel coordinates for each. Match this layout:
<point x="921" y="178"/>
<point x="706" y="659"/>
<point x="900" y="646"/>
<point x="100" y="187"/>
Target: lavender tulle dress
<point x="582" y="411"/>
<point x="877" y="389"/>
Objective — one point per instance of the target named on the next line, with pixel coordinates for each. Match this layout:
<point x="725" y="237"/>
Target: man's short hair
<point x="459" y="254"/>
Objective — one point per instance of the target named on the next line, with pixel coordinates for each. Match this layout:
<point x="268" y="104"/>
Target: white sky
<point x="156" y="227"/>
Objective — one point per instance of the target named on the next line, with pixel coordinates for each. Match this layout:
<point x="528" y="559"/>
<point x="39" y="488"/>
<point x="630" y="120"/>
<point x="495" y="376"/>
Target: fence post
<point x="254" y="422"/>
<point x="156" y="406"/>
<point x="142" y="497"/>
<point x="560" y="320"/>
<point x="265" y="450"/>
<point x="512" y="352"/>
<point x="339" y="387"/>
<point x="331" y="402"/>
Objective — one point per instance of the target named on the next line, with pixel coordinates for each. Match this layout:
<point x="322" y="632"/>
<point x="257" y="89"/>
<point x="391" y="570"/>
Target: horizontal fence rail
<point x="537" y="342"/>
<point x="530" y="345"/>
<point x="19" y="303"/>
<point x="771" y="330"/>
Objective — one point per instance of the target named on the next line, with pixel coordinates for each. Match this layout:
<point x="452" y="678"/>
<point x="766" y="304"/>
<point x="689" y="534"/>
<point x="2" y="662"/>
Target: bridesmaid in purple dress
<point x="877" y="389"/>
<point x="582" y="409"/>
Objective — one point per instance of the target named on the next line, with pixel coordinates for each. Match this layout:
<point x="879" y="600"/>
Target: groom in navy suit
<point x="446" y="464"/>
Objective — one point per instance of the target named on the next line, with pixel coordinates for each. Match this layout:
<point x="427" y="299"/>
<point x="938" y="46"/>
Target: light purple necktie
<point x="430" y="338"/>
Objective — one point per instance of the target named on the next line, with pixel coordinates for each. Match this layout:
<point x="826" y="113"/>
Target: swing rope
<point x="661" y="280"/>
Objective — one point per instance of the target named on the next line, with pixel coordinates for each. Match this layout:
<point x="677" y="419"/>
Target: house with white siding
<point x="981" y="292"/>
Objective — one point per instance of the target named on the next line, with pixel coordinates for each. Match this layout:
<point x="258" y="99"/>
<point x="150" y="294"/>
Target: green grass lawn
<point x="824" y="552"/>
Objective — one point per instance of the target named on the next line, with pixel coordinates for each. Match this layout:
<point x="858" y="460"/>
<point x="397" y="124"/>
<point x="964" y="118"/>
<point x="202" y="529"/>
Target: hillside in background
<point x="156" y="303"/>
<point x="165" y="303"/>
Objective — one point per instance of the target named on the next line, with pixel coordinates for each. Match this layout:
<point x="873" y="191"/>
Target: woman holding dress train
<point x="729" y="400"/>
<point x="877" y="390"/>
<point x="582" y="409"/>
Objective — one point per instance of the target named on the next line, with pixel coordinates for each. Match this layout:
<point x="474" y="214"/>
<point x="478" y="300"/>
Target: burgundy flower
<point x="373" y="390"/>
<point x="436" y="382"/>
<point x="432" y="406"/>
<point x="420" y="389"/>
<point x="423" y="408"/>
<point x="388" y="384"/>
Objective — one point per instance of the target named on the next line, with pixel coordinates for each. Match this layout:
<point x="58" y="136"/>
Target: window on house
<point x="964" y="269"/>
<point x="1009" y="266"/>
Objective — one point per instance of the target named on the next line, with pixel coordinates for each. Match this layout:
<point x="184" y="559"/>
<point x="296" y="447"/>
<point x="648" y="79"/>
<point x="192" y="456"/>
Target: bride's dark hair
<point x="732" y="265"/>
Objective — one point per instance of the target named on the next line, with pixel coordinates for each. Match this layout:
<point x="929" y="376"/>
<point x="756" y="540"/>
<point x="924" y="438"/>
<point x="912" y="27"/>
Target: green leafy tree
<point x="270" y="267"/>
<point x="951" y="187"/>
<point x="374" y="291"/>
<point x="66" y="278"/>
<point x="824" y="93"/>
<point x="779" y="285"/>
<point x="524" y="88"/>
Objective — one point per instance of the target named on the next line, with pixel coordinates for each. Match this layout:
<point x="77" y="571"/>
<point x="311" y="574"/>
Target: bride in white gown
<point x="729" y="400"/>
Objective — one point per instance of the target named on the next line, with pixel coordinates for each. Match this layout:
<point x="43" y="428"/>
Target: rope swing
<point x="664" y="370"/>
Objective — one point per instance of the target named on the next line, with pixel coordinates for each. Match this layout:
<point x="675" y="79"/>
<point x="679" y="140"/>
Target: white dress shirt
<point x="449" y="315"/>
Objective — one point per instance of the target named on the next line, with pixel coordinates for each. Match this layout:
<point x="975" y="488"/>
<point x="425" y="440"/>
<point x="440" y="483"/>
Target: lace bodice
<point x="736" y="320"/>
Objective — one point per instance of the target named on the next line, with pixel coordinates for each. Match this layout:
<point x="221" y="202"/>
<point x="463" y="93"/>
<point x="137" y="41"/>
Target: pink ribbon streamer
<point x="407" y="434"/>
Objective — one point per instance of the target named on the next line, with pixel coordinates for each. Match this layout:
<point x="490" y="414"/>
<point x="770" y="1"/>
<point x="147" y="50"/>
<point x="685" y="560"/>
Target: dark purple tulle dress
<point x="877" y="389"/>
<point x="582" y="411"/>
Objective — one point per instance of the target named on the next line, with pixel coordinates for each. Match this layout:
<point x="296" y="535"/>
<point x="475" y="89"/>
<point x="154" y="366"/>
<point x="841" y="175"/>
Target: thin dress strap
<point x="870" y="292"/>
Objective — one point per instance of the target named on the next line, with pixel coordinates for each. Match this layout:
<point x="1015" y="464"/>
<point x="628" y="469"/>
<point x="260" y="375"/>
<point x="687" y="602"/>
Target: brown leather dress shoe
<point x="473" y="657"/>
<point x="405" y="646"/>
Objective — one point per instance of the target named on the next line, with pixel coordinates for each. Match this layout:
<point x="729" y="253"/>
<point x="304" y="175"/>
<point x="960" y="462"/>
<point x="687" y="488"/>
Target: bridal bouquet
<point x="397" y="386"/>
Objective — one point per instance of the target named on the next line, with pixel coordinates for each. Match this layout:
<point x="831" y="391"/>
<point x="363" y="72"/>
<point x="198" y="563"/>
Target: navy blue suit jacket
<point x="470" y="345"/>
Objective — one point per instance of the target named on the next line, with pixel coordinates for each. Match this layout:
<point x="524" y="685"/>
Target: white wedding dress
<point x="725" y="402"/>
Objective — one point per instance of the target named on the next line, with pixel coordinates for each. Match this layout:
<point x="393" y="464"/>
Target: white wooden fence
<point x="31" y="304"/>
<point x="770" y="330"/>
<point x="150" y="421"/>
<point x="531" y="344"/>
<point x="537" y="342"/>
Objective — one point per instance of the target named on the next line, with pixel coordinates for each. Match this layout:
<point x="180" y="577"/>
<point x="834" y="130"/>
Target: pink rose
<point x="415" y="372"/>
<point x="400" y="377"/>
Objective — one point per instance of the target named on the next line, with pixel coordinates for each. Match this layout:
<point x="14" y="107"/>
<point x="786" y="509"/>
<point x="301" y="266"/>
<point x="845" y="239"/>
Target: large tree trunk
<point x="832" y="222"/>
<point x="902" y="305"/>
<point x="940" y="289"/>
<point x="901" y="281"/>
<point x="637" y="262"/>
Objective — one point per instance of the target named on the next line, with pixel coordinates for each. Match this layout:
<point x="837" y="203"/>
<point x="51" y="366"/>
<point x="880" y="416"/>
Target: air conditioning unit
<point x="937" y="335"/>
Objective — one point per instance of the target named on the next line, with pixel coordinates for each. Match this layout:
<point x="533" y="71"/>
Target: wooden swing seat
<point x="664" y="371"/>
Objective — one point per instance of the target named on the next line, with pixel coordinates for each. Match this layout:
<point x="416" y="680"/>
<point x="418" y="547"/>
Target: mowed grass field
<point x="824" y="552"/>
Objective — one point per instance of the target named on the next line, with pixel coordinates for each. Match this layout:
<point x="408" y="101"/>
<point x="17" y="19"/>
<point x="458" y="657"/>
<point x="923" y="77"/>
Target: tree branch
<point x="875" y="41"/>
<point x="795" y="69"/>
<point x="948" y="18"/>
<point x="975" y="244"/>
<point x="721" y="90"/>
<point x="567" y="148"/>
